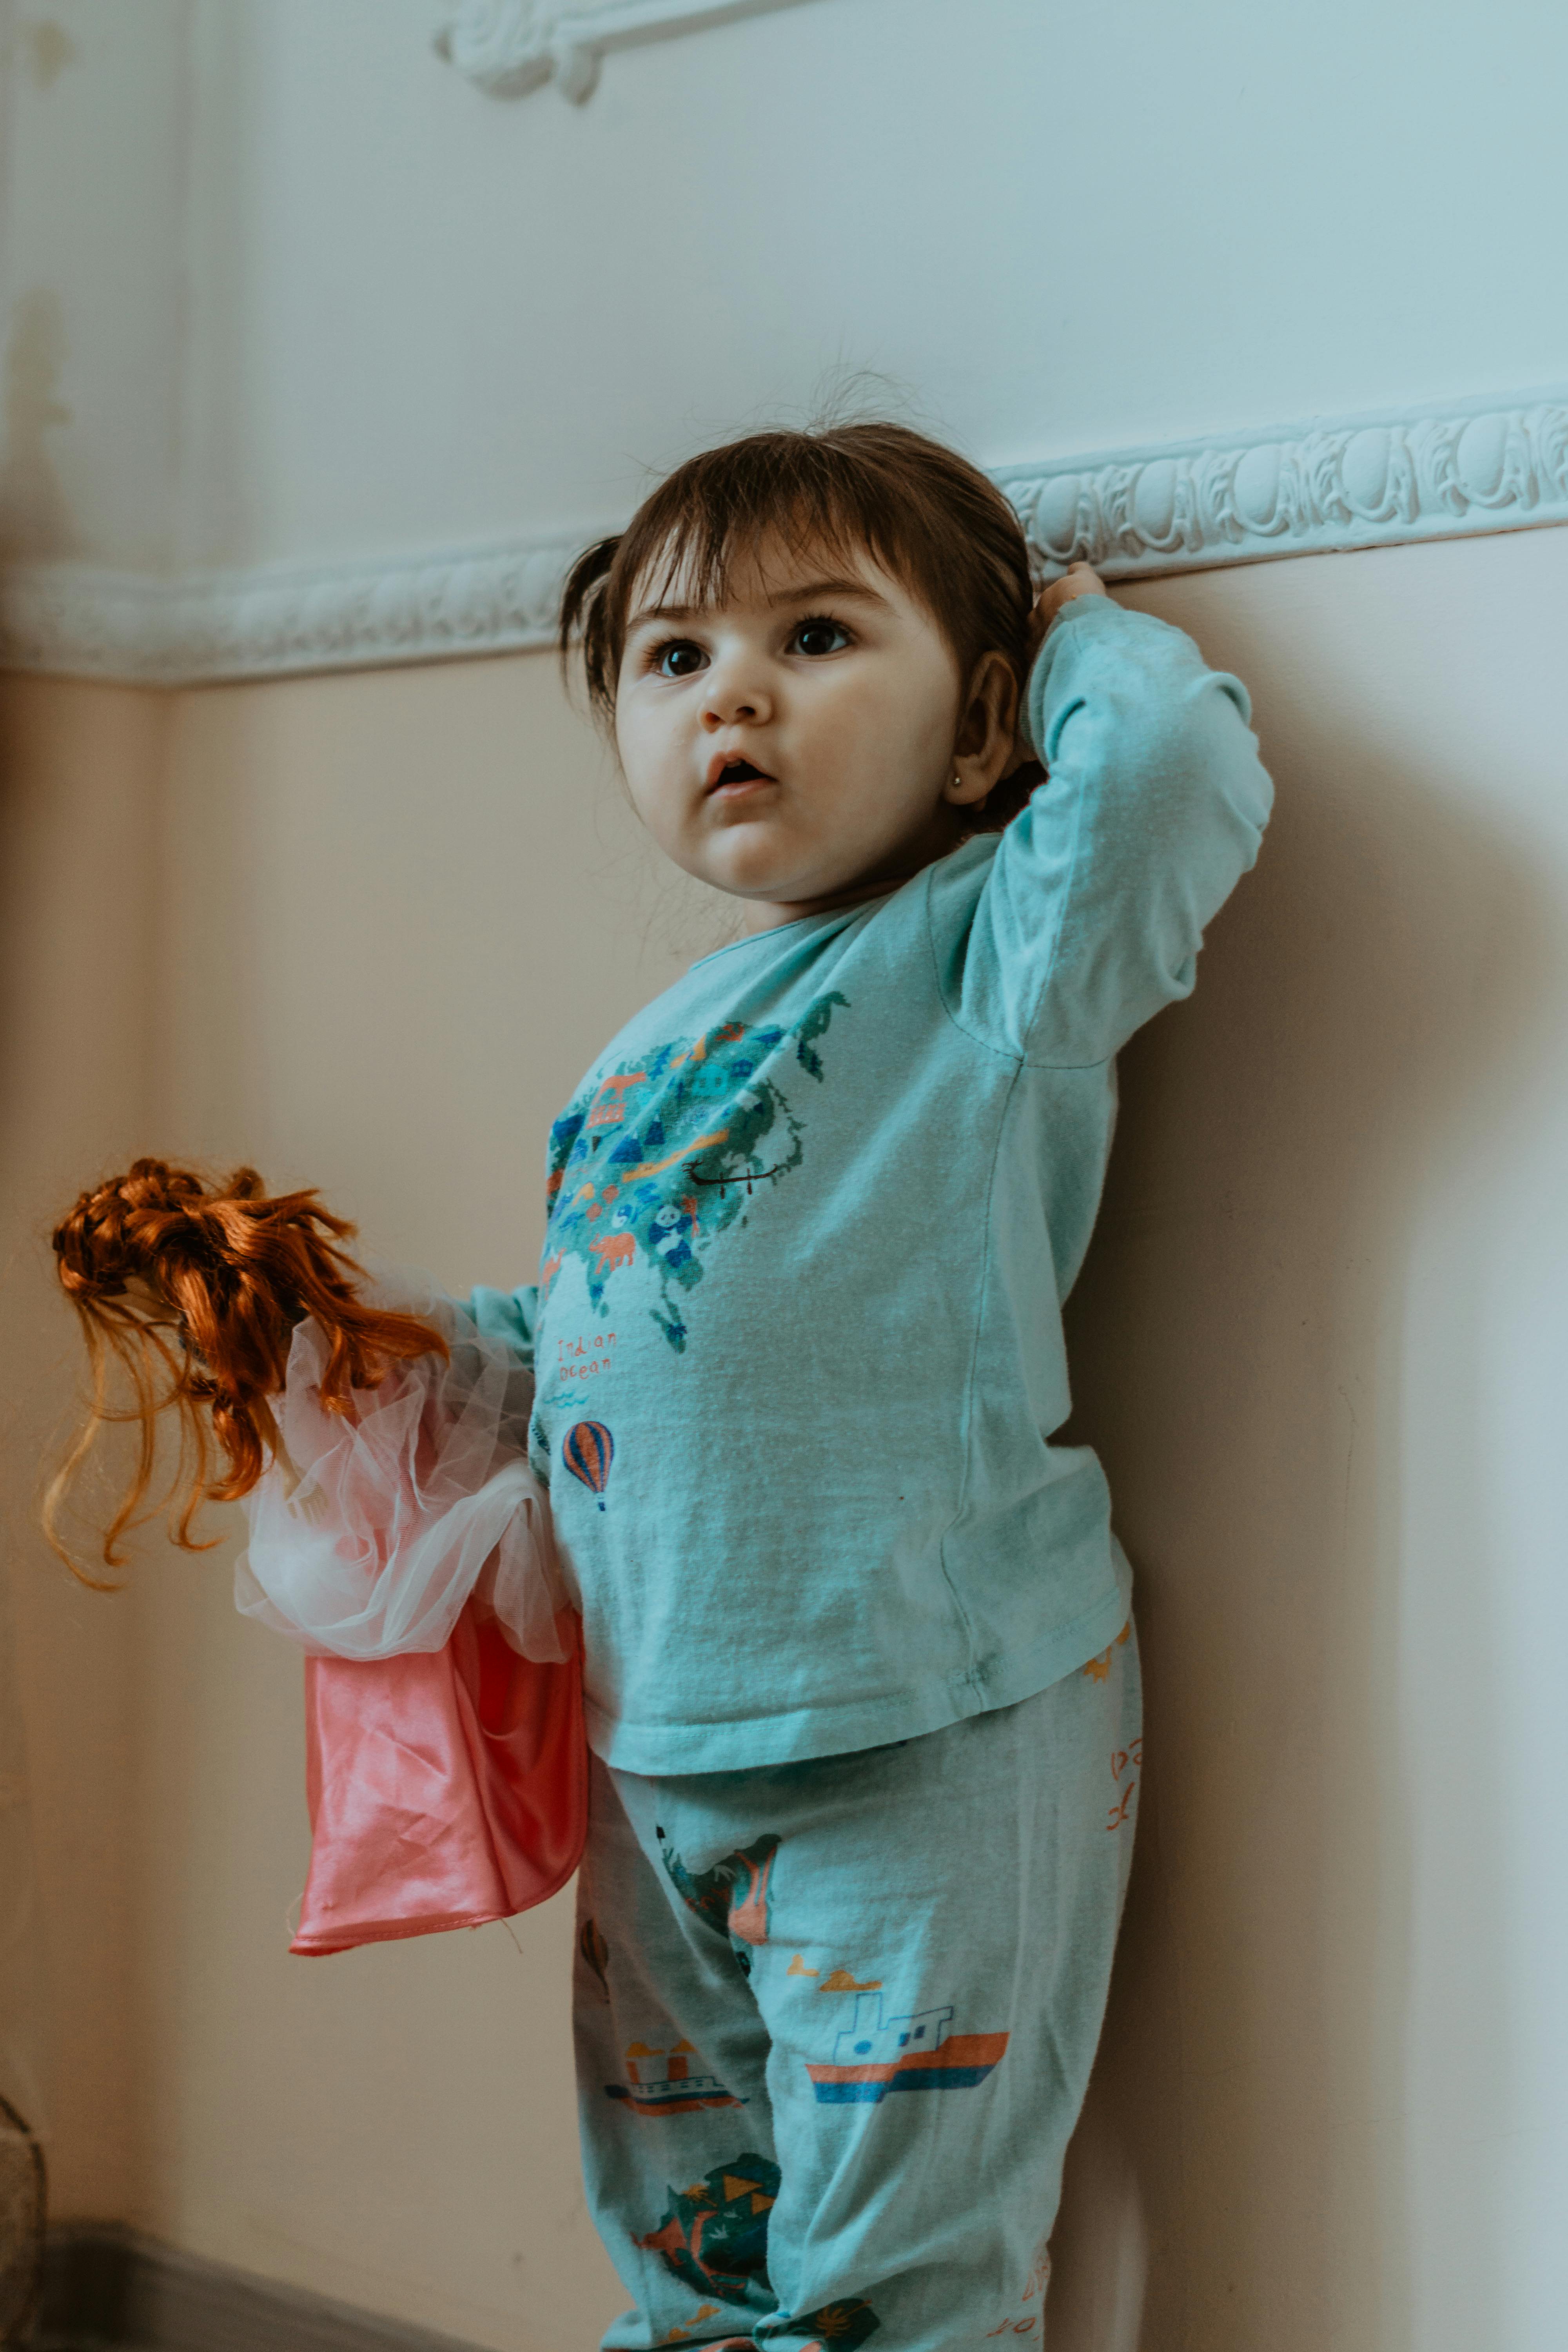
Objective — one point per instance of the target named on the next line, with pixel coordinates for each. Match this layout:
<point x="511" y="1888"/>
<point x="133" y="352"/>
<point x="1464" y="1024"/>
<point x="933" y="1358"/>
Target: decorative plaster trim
<point x="1361" y="481"/>
<point x="68" y="619"/>
<point x="508" y="48"/>
<point x="1433" y="473"/>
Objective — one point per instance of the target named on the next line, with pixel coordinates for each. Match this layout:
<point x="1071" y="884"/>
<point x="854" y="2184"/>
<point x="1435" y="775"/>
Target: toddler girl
<point x="862" y="1687"/>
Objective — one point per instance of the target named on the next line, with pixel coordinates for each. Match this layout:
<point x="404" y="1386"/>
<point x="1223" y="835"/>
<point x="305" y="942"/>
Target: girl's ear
<point x="985" y="745"/>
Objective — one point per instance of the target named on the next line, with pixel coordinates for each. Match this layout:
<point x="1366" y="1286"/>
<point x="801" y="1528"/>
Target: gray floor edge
<point x="110" y="2289"/>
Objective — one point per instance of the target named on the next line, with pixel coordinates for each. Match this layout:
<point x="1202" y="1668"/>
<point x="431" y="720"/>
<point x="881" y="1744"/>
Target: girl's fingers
<point x="1078" y="580"/>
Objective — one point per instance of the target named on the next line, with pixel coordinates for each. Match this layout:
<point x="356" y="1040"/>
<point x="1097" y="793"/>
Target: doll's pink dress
<point x="407" y="1551"/>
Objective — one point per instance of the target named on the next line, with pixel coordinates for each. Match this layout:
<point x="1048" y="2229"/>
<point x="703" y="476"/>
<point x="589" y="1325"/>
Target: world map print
<point x="657" y="1158"/>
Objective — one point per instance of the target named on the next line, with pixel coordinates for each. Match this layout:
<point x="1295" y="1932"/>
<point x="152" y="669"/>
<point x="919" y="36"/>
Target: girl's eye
<point x="813" y="638"/>
<point x="678" y="658"/>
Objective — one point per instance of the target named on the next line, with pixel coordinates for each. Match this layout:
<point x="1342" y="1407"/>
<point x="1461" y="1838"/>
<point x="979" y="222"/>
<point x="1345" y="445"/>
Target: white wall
<point x="94" y="122"/>
<point x="415" y="316"/>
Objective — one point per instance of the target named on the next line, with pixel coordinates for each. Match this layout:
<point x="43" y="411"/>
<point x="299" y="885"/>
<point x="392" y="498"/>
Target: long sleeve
<point x="509" y="1316"/>
<point x="372" y="1530"/>
<point x="1153" y="806"/>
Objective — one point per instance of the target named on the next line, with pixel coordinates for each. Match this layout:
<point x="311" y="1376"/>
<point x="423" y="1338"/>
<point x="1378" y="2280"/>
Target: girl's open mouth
<point x="735" y="775"/>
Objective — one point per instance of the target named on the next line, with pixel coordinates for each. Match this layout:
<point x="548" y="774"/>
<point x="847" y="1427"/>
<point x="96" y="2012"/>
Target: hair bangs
<point x="772" y="494"/>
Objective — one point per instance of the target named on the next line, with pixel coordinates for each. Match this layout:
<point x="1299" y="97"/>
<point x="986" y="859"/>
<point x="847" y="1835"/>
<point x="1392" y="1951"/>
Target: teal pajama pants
<point x="835" y="2022"/>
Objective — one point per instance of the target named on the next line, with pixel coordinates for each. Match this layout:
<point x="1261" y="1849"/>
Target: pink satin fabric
<point x="446" y="1788"/>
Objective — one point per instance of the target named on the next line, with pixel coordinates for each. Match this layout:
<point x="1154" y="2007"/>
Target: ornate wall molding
<point x="1428" y="473"/>
<point x="68" y="619"/>
<point x="508" y="48"/>
<point x="1372" y="481"/>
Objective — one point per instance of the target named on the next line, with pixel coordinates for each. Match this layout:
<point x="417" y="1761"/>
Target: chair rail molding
<point x="1438" y="472"/>
<point x="1432" y="473"/>
<point x="508" y="48"/>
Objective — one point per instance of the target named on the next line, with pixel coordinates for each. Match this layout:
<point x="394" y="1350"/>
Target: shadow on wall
<point x="1239" y="2178"/>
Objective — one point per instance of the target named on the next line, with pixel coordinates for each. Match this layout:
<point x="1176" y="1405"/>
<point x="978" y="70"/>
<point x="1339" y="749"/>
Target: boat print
<point x="669" y="2089"/>
<point x="918" y="2052"/>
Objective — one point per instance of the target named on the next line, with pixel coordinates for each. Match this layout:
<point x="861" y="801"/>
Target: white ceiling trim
<point x="1437" y="472"/>
<point x="508" y="48"/>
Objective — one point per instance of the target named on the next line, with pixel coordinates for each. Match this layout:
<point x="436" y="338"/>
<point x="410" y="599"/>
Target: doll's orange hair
<point x="194" y="1289"/>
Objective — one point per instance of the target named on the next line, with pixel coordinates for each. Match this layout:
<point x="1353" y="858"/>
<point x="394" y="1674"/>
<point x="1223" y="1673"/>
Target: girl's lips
<point x="729" y="774"/>
<point x="741" y="791"/>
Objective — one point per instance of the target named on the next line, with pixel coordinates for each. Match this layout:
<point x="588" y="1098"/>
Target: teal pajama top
<point x="812" y="1215"/>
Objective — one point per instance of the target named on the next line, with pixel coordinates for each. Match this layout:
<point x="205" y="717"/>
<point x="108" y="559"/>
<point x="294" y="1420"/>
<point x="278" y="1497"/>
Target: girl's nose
<point x="735" y="696"/>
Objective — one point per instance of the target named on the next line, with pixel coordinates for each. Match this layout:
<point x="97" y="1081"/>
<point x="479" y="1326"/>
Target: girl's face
<point x="809" y="740"/>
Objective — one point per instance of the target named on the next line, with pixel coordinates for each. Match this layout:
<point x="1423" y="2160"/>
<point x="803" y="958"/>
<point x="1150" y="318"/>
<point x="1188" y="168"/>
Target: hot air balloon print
<point x="588" y="1450"/>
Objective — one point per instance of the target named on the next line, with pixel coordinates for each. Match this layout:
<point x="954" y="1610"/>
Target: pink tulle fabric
<point x="371" y="1530"/>
<point x="406" y="1550"/>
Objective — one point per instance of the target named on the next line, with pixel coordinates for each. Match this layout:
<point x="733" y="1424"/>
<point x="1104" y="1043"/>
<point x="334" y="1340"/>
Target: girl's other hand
<point x="1078" y="580"/>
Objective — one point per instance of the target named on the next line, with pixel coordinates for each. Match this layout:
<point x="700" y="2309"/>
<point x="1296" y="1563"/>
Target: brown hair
<point x="925" y="514"/>
<point x="203" y="1284"/>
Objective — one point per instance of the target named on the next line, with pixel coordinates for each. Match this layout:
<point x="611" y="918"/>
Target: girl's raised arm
<point x="1153" y="808"/>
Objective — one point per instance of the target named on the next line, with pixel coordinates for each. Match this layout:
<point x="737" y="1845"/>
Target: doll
<point x="397" y="1534"/>
<point x="205" y="1284"/>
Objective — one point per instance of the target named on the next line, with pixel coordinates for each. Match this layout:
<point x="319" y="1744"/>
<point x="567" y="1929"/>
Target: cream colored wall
<point x="1321" y="1340"/>
<point x="399" y="913"/>
<point x="79" y="776"/>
